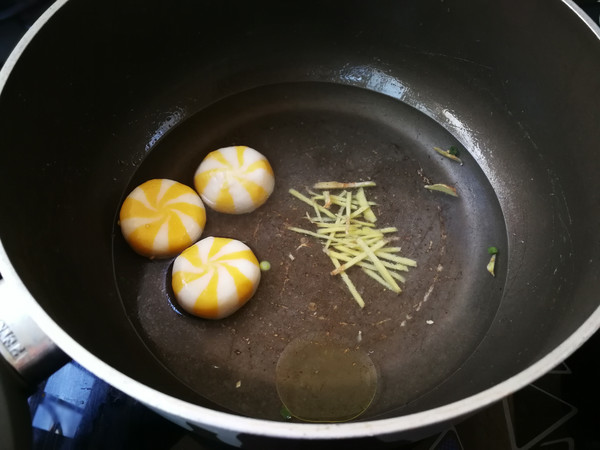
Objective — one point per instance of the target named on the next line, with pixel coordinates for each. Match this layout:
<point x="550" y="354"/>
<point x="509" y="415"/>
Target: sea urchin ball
<point x="215" y="277"/>
<point x="234" y="180"/>
<point x="160" y="218"/>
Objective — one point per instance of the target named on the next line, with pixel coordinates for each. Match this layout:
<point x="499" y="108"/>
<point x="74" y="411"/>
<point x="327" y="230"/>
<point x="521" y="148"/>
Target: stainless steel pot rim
<point x="182" y="411"/>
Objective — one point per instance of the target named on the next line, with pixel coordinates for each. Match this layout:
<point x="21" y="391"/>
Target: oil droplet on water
<point x="320" y="379"/>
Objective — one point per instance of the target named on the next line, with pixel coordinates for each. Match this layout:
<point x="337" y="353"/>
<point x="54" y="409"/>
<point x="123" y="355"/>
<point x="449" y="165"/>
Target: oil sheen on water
<point x="322" y="380"/>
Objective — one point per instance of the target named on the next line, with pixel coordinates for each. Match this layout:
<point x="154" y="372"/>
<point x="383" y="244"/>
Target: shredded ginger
<point x="350" y="237"/>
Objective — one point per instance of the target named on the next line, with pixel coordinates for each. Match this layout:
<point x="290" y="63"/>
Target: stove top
<point x="73" y="409"/>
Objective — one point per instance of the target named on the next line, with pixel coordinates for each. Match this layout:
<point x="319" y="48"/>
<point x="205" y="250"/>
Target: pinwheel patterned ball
<point x="161" y="217"/>
<point x="234" y="180"/>
<point x="215" y="277"/>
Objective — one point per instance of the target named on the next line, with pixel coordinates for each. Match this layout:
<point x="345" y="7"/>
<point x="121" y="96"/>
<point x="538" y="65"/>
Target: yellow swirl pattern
<point x="234" y="180"/>
<point x="215" y="277"/>
<point x="161" y="217"/>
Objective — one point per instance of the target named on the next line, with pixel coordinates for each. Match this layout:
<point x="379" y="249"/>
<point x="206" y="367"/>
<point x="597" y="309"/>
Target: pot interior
<point x="133" y="96"/>
<point x="314" y="132"/>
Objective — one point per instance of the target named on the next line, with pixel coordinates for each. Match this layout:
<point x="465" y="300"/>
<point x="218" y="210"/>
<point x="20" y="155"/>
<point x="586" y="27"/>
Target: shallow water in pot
<point x="314" y="132"/>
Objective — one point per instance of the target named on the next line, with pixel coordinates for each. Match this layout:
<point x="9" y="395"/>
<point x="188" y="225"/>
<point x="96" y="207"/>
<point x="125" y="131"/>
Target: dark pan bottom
<point x="314" y="132"/>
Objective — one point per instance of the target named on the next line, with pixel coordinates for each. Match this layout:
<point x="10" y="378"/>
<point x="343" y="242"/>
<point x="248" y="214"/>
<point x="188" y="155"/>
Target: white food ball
<point x="215" y="277"/>
<point x="161" y="217"/>
<point x="234" y="180"/>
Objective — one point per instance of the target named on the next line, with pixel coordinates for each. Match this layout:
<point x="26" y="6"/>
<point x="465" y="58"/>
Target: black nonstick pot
<point x="346" y="91"/>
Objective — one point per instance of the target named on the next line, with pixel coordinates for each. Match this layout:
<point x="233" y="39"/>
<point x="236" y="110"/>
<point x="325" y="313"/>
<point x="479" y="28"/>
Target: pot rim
<point x="182" y="411"/>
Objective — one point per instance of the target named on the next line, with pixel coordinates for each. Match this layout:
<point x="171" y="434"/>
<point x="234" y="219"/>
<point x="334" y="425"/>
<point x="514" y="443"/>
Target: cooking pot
<point x="99" y="97"/>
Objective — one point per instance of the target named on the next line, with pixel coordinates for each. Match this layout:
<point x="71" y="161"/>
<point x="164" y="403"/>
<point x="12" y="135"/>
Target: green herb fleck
<point x="453" y="151"/>
<point x="492" y="250"/>
<point x="448" y="154"/>
<point x="285" y="413"/>
<point x="442" y="188"/>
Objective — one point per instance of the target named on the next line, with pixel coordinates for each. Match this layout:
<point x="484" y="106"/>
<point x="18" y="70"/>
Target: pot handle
<point x="30" y="356"/>
<point x="15" y="418"/>
<point x="22" y="343"/>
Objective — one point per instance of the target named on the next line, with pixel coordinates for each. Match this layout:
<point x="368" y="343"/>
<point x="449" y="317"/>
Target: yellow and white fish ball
<point x="215" y="277"/>
<point x="160" y="218"/>
<point x="234" y="180"/>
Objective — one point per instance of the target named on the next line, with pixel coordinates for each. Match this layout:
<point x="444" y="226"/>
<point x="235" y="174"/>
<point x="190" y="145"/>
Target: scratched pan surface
<point x="316" y="132"/>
